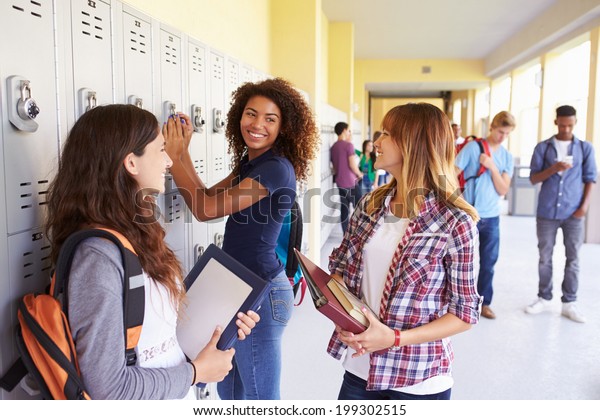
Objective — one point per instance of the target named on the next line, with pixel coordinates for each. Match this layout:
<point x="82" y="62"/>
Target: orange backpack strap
<point x="133" y="283"/>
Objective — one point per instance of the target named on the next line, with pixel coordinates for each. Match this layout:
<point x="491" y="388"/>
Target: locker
<point x="216" y="141"/>
<point x="175" y="222"/>
<point x="29" y="270"/>
<point x="232" y="83"/>
<point x="197" y="98"/>
<point x="90" y="31"/>
<point x="170" y="79"/>
<point x="134" y="73"/>
<point x="245" y="74"/>
<point x="29" y="120"/>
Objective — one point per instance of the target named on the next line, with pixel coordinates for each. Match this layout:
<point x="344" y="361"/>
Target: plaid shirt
<point x="431" y="274"/>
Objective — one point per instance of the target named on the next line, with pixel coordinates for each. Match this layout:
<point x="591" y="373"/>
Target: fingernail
<point x="364" y="310"/>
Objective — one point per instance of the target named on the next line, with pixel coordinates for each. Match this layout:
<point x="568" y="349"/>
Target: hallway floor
<point x="514" y="357"/>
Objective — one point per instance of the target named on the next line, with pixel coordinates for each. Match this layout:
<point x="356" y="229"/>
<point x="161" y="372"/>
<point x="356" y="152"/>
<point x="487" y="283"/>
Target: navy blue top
<point x="251" y="234"/>
<point x="561" y="195"/>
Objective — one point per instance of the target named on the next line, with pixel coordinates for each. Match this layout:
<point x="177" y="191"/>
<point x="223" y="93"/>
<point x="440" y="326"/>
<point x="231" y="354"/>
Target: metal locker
<point x="134" y="81"/>
<point x="245" y="74"/>
<point x="258" y="76"/>
<point x="91" y="55"/>
<point x="174" y="223"/>
<point x="29" y="270"/>
<point x="170" y="80"/>
<point x="197" y="98"/>
<point x="232" y="80"/>
<point x="30" y="118"/>
<point x="216" y="141"/>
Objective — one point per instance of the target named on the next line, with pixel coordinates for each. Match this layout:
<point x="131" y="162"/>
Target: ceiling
<point x="431" y="29"/>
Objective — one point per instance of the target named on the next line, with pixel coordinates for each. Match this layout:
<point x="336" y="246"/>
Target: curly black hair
<point x="298" y="138"/>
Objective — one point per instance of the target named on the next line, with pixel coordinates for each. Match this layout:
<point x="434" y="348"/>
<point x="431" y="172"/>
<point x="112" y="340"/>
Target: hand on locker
<point x="178" y="132"/>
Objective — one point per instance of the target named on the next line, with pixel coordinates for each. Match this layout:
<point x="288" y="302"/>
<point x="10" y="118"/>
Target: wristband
<point x="194" y="369"/>
<point x="396" y="344"/>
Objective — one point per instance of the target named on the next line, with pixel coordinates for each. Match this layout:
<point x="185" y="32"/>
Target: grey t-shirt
<point x="96" y="319"/>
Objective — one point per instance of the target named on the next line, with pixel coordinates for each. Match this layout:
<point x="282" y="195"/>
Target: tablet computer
<point x="218" y="287"/>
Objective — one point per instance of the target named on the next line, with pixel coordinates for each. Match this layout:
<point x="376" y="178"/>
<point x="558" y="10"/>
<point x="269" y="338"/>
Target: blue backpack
<point x="289" y="238"/>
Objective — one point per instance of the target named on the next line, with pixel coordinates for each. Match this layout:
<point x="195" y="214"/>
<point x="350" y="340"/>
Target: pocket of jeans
<point x="282" y="303"/>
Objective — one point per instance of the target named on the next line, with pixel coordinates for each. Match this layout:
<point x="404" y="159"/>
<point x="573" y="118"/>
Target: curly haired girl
<point x="273" y="137"/>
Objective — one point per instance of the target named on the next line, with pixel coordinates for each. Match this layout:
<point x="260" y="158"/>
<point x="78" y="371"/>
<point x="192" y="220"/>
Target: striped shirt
<point x="432" y="273"/>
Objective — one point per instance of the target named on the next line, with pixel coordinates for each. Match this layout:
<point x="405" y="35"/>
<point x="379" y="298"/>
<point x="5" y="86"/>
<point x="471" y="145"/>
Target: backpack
<point x="290" y="238"/>
<point x="43" y="336"/>
<point x="483" y="148"/>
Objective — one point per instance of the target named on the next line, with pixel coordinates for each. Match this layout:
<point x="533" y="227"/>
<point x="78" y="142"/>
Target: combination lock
<point x="26" y="107"/>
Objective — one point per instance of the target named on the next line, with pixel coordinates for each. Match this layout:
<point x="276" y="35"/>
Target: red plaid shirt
<point x="431" y="274"/>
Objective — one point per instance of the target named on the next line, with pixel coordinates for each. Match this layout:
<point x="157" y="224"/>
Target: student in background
<point x="457" y="131"/>
<point x="112" y="167"/>
<point x="367" y="167"/>
<point x="566" y="167"/>
<point x="273" y="137"/>
<point x="346" y="172"/>
<point x="408" y="252"/>
<point x="484" y="194"/>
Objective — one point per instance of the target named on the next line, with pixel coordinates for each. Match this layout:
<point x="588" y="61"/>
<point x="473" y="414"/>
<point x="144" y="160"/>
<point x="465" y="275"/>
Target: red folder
<point x="324" y="300"/>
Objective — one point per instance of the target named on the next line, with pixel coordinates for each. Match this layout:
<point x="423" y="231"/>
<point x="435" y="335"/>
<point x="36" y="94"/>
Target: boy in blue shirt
<point x="484" y="193"/>
<point x="566" y="168"/>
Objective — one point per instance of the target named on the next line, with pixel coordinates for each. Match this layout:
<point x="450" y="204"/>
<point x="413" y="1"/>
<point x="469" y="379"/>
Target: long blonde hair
<point x="423" y="134"/>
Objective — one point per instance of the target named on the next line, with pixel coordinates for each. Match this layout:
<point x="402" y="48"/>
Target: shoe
<point x="569" y="310"/>
<point x="487" y="312"/>
<point x="539" y="305"/>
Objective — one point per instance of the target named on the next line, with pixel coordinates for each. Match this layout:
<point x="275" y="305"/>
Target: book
<point x="218" y="287"/>
<point x="352" y="304"/>
<point x="324" y="299"/>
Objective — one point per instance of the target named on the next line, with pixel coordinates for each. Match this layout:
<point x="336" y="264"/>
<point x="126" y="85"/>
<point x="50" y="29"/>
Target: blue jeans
<point x="572" y="229"/>
<point x="355" y="388"/>
<point x="256" y="369"/>
<point x="489" y="247"/>
<point x="347" y="196"/>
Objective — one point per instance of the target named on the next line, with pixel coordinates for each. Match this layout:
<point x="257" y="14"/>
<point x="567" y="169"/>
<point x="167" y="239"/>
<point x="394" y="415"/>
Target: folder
<point x="218" y="287"/>
<point x="323" y="298"/>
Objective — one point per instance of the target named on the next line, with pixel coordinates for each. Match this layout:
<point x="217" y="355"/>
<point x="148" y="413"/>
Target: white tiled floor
<point x="514" y="357"/>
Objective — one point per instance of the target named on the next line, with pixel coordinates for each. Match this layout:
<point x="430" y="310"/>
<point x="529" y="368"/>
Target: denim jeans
<point x="489" y="247"/>
<point x="355" y="388"/>
<point x="572" y="229"/>
<point x="347" y="196"/>
<point x="257" y="362"/>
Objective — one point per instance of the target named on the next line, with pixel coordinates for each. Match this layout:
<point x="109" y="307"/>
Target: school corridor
<point x="514" y="357"/>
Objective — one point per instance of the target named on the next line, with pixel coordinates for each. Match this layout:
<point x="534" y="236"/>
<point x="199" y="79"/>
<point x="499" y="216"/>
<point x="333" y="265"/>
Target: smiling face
<point x="389" y="156"/>
<point x="260" y="125"/>
<point x="150" y="168"/>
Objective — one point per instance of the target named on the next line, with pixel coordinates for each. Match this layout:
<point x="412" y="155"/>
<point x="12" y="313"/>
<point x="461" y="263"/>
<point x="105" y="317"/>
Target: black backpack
<point x="290" y="238"/>
<point x="43" y="336"/>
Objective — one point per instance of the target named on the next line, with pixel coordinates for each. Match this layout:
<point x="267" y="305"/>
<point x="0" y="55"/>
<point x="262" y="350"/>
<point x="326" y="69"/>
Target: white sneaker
<point x="540" y="305"/>
<point x="569" y="310"/>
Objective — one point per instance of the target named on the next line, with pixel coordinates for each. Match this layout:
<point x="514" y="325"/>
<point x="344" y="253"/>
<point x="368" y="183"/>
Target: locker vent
<point x="27" y="193"/>
<point x="174" y="212"/>
<point x="200" y="167"/>
<point x="92" y="26"/>
<point x="138" y="42"/>
<point x="197" y="62"/>
<point x="217" y="69"/>
<point x="35" y="7"/>
<point x="171" y="55"/>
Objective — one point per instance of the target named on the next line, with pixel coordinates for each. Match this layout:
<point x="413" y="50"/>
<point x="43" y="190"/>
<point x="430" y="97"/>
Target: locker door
<point x="197" y="73"/>
<point x="174" y="224"/>
<point x="171" y="98"/>
<point x="245" y="74"/>
<point x="29" y="271"/>
<point x="232" y="83"/>
<point x="91" y="55"/>
<point x="137" y="61"/>
<point x="217" y="126"/>
<point x="30" y="118"/>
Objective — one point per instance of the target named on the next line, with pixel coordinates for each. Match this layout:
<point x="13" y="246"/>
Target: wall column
<point x="592" y="229"/>
<point x="341" y="67"/>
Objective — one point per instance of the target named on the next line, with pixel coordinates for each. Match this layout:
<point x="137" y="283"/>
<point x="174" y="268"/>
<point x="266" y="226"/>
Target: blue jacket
<point x="561" y="195"/>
